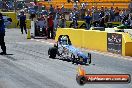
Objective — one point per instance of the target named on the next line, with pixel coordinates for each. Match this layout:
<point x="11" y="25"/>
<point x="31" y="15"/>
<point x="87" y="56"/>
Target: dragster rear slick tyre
<point x="52" y="52"/>
<point x="81" y="80"/>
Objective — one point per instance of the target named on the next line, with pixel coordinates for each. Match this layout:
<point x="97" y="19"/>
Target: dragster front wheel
<point x="73" y="59"/>
<point x="89" y="58"/>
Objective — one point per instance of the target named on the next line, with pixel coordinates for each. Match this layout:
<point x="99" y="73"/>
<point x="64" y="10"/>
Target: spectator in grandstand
<point x="101" y="14"/>
<point x="62" y="9"/>
<point x="130" y="20"/>
<point x="116" y="14"/>
<point x="123" y="14"/>
<point x="57" y="10"/>
<point x="75" y="5"/>
<point x="71" y="16"/>
<point x="51" y="9"/>
<point x="124" y="20"/>
<point x="89" y="11"/>
<point x="93" y="8"/>
<point x="76" y="13"/>
<point x="127" y="11"/>
<point x="102" y="22"/>
<point x="107" y="14"/>
<point x="130" y="6"/>
<point x="95" y="17"/>
<point x="57" y="15"/>
<point x="102" y="8"/>
<point x="106" y="18"/>
<point x="112" y="17"/>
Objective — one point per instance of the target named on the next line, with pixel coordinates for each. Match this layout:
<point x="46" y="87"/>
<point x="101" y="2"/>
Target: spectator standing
<point x="22" y="20"/>
<point x="56" y="21"/>
<point x="2" y="34"/>
<point x="75" y="24"/>
<point x="88" y="19"/>
<point x="102" y="12"/>
<point x="63" y="22"/>
<point x="50" y="26"/>
<point x="102" y="22"/>
<point x="82" y="11"/>
<point x="75" y="18"/>
<point x="45" y="26"/>
<point x="71" y="16"/>
<point x="76" y="13"/>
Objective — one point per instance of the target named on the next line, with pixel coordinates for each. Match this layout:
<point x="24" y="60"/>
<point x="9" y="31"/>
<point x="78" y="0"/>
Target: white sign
<point x="32" y="29"/>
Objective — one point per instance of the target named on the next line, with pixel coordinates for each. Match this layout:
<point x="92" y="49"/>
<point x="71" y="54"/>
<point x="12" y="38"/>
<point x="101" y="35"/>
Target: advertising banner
<point x="114" y="43"/>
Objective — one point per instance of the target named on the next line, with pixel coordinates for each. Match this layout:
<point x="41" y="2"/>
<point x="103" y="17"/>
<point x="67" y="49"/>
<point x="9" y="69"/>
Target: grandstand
<point x="90" y="3"/>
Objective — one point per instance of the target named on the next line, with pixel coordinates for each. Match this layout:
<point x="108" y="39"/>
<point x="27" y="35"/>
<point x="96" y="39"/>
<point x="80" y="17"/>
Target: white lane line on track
<point x="37" y="40"/>
<point x="127" y="59"/>
<point x="44" y="42"/>
<point x="50" y="43"/>
<point x="94" y="51"/>
<point x="111" y="55"/>
<point x="32" y="39"/>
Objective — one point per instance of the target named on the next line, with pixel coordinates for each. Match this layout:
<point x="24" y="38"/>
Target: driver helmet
<point x="64" y="40"/>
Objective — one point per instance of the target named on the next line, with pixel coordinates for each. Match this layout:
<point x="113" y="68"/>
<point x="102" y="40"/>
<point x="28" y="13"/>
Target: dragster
<point x="65" y="50"/>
